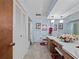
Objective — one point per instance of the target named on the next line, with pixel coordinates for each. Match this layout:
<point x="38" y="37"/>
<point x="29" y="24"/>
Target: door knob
<point x="12" y="44"/>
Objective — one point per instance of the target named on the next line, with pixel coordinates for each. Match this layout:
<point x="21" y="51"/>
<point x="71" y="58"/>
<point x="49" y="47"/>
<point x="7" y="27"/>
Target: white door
<point x="20" y="40"/>
<point x="18" y="34"/>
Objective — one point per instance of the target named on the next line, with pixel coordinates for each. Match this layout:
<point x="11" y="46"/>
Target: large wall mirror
<point x="73" y="27"/>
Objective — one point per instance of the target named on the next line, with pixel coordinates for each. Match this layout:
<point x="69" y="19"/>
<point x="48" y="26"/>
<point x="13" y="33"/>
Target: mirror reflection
<point x="73" y="27"/>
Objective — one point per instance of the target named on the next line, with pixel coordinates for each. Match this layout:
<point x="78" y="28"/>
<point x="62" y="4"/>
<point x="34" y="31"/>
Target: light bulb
<point x="61" y="21"/>
<point x="52" y="21"/>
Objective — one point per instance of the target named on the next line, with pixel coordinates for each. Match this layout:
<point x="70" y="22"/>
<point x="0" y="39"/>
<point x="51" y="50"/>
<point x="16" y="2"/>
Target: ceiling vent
<point x="38" y="14"/>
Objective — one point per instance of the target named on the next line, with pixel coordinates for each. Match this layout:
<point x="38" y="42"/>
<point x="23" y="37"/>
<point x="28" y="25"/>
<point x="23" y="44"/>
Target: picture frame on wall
<point x="55" y="27"/>
<point x="44" y="27"/>
<point x="38" y="25"/>
<point x="60" y="26"/>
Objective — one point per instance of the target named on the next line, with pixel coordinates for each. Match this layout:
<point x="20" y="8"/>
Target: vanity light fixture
<point x="52" y="21"/>
<point x="61" y="21"/>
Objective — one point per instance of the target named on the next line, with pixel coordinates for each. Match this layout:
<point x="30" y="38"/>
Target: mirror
<point x="74" y="27"/>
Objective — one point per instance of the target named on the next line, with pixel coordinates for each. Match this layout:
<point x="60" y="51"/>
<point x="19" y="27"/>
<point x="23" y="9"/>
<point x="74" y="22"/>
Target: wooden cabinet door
<point x="6" y="18"/>
<point x="66" y="56"/>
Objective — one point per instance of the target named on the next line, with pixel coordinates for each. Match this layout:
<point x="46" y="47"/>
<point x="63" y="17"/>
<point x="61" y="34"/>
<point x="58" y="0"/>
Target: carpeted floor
<point x="37" y="51"/>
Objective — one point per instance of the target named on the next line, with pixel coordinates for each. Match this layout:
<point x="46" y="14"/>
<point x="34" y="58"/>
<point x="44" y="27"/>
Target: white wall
<point x="38" y="34"/>
<point x="20" y="31"/>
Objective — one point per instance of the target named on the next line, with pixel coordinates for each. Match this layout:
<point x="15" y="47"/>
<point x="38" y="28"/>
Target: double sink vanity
<point x="67" y="50"/>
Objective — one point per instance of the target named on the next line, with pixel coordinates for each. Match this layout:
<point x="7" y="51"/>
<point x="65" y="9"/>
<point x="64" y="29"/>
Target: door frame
<point x="16" y="4"/>
<point x="30" y="30"/>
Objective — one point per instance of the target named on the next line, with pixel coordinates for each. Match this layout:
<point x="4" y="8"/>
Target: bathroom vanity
<point x="66" y="50"/>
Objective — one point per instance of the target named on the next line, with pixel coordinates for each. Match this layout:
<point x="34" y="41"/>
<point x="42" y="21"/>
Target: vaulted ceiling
<point x="64" y="8"/>
<point x="42" y="7"/>
<point x="56" y="8"/>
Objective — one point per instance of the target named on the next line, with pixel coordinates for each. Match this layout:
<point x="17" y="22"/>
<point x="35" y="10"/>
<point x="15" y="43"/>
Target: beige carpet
<point x="37" y="51"/>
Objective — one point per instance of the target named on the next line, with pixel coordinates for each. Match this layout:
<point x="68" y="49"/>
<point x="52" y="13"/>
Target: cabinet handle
<point x="58" y="51"/>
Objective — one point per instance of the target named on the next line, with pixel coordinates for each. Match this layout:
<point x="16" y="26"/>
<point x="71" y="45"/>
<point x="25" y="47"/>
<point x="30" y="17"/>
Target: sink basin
<point x="77" y="46"/>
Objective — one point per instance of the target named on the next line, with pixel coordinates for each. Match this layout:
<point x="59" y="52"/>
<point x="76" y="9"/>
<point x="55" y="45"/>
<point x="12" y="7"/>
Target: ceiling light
<point x="61" y="21"/>
<point x="52" y="21"/>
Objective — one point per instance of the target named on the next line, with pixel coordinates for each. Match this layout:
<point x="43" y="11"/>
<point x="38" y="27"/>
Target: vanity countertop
<point x="70" y="48"/>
